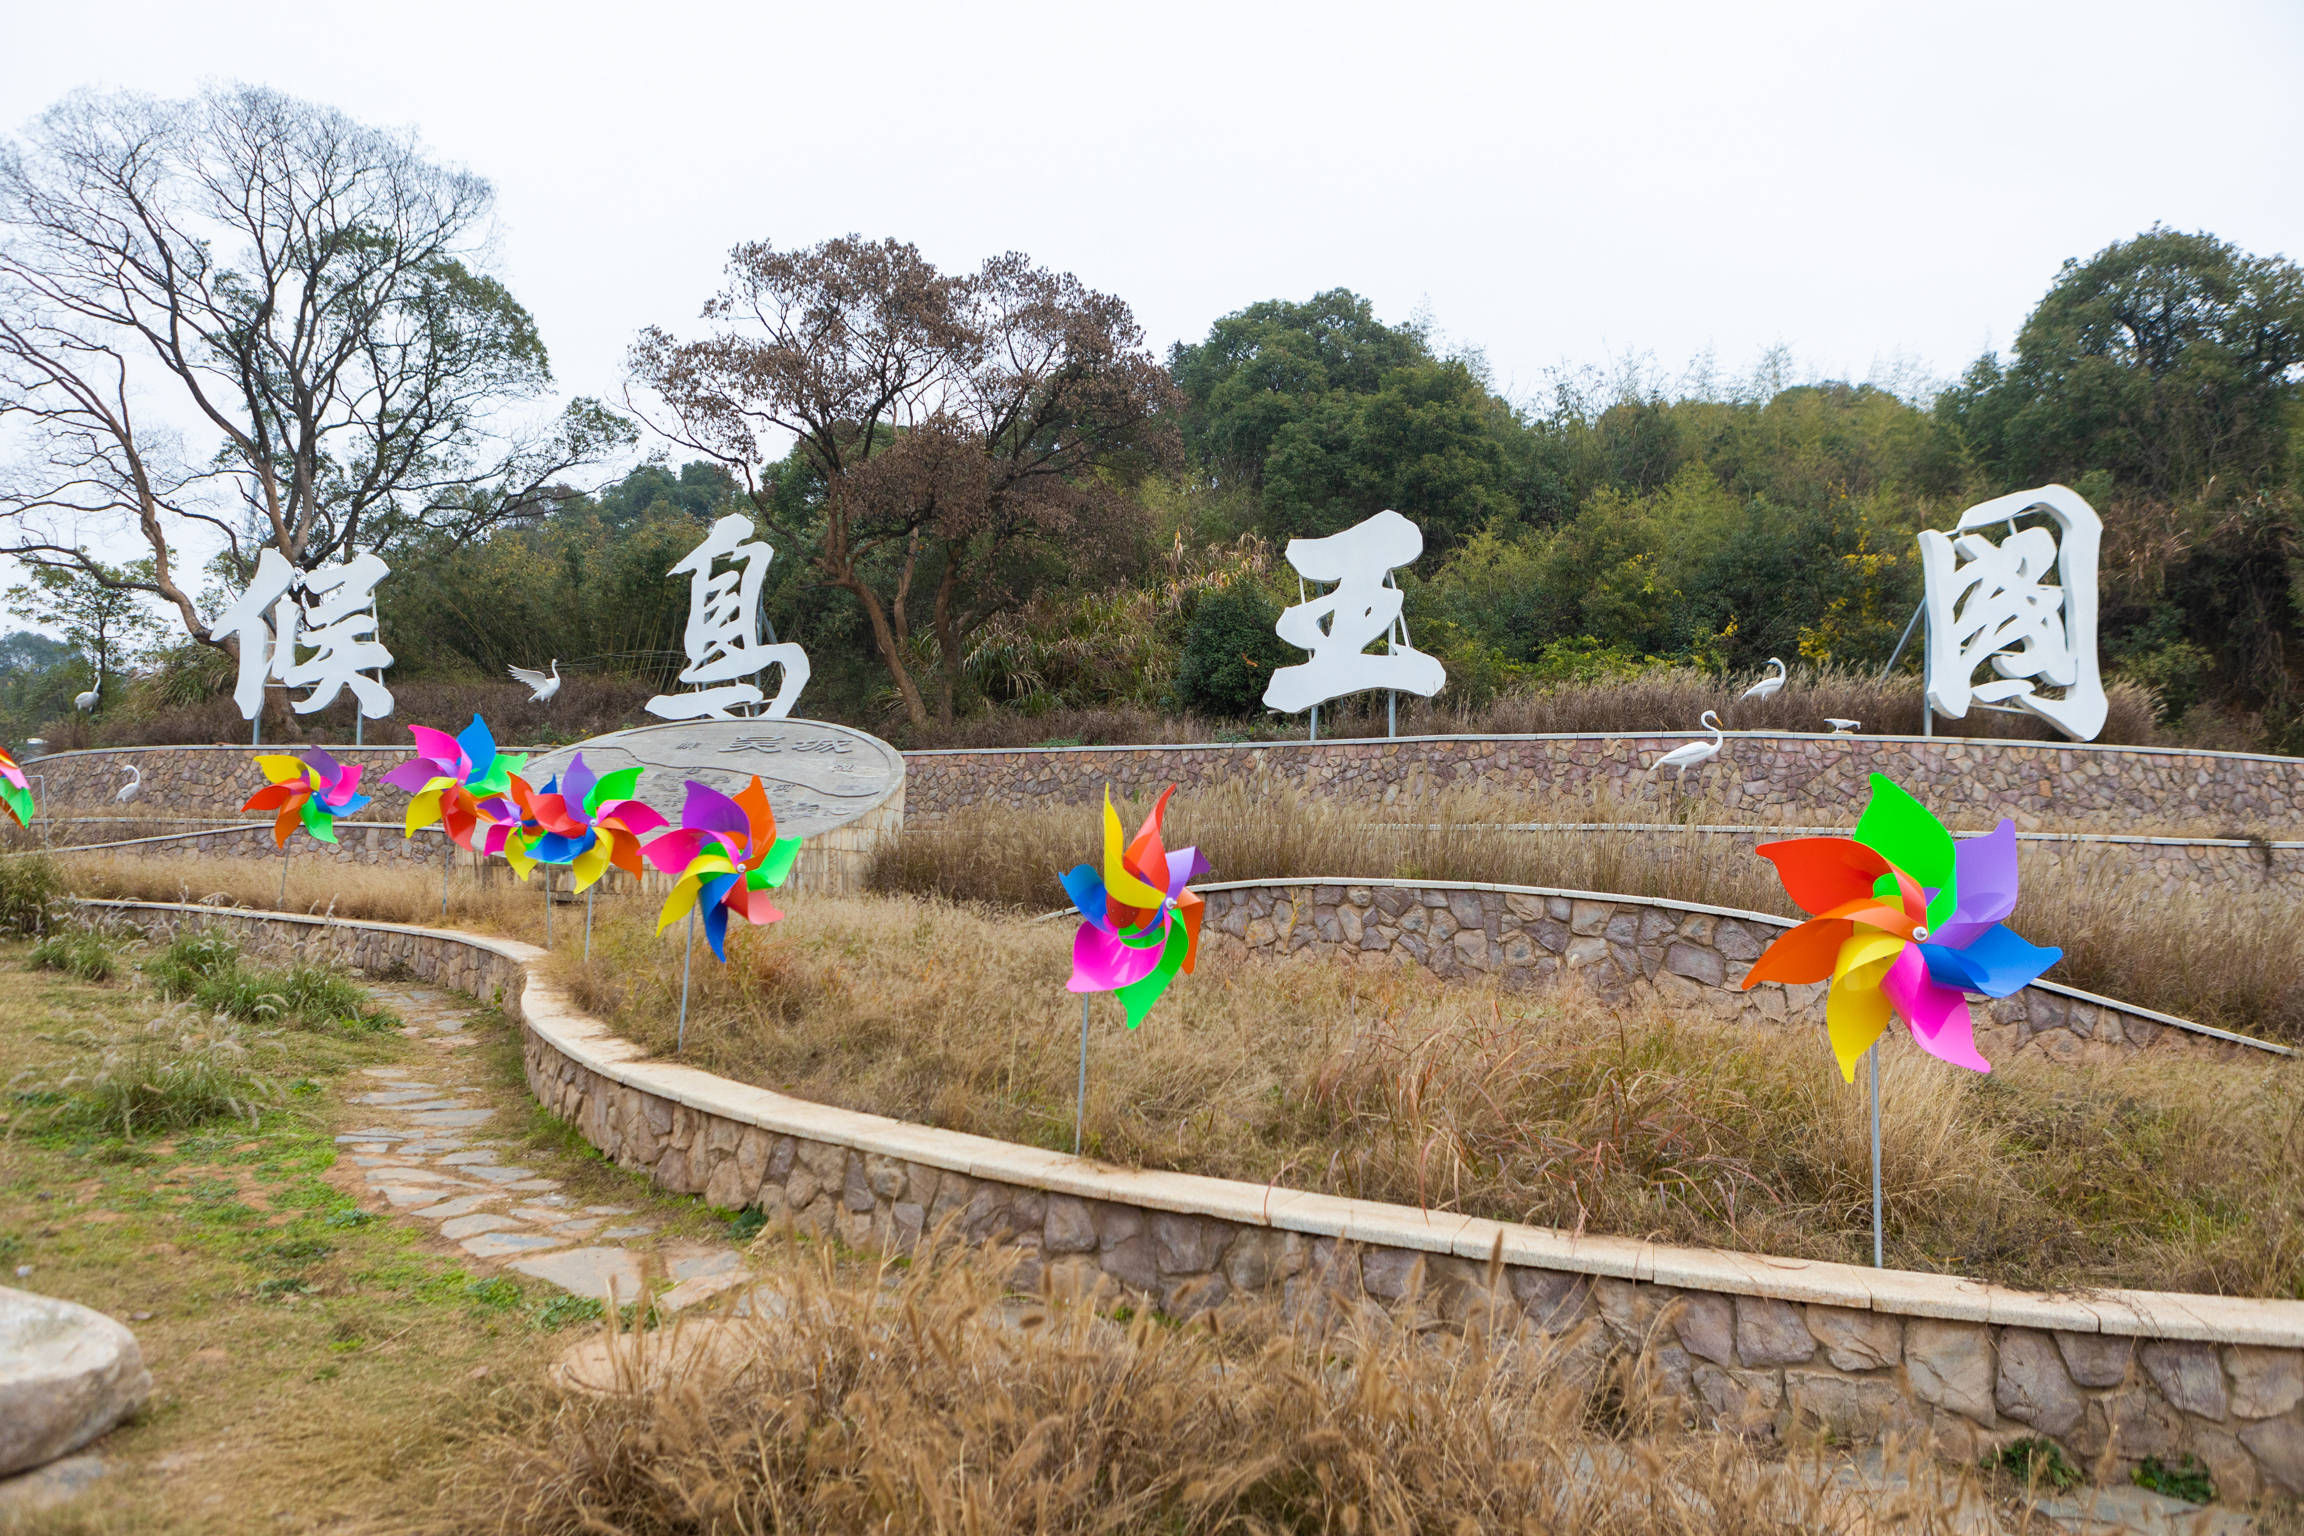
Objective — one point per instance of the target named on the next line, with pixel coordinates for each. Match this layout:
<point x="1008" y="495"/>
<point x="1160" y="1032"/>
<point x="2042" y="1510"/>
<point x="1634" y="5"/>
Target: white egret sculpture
<point x="133" y="788"/>
<point x="540" y="688"/>
<point x="85" y="702"/>
<point x="1842" y="727"/>
<point x="1696" y="753"/>
<point x="1767" y="687"/>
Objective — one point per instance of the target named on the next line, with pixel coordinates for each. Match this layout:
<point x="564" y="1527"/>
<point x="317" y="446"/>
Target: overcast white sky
<point x="1873" y="186"/>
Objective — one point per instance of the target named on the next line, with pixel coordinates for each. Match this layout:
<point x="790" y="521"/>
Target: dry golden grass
<point x="1550" y="1108"/>
<point x="2226" y="960"/>
<point x="924" y="1400"/>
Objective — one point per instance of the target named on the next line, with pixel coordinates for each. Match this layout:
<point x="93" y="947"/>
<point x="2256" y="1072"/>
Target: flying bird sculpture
<point x="540" y="687"/>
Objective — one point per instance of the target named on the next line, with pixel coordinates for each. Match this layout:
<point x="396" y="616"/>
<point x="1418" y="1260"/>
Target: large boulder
<point x="67" y="1374"/>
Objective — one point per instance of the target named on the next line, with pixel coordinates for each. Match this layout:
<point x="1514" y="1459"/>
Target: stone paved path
<point x="424" y="1152"/>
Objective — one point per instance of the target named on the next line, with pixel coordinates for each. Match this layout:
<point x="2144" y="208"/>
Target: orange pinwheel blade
<point x="1803" y="955"/>
<point x="1191" y="906"/>
<point x="290" y="818"/>
<point x="753" y="800"/>
<point x="270" y="798"/>
<point x="1869" y="911"/>
<point x="1820" y="873"/>
<point x="1144" y="857"/>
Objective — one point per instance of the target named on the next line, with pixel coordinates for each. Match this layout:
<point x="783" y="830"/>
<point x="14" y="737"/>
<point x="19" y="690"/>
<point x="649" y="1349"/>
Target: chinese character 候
<point x="339" y="628"/>
<point x="1339" y="625"/>
<point x="1991" y="602"/>
<point x="723" y="641"/>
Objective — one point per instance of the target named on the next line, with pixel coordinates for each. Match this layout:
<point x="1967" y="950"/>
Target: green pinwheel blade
<point x="623" y="784"/>
<point x="1138" y="996"/>
<point x="777" y="866"/>
<point x="1907" y="834"/>
<point x="317" y="821"/>
<point x="18" y="801"/>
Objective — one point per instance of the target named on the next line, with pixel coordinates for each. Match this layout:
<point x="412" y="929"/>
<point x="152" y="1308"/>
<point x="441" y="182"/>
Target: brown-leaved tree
<point x="964" y="437"/>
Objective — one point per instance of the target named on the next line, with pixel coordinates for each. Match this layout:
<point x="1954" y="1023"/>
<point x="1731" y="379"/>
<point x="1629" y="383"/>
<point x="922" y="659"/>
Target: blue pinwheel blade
<point x="1996" y="964"/>
<point x="1086" y="889"/>
<point x="479" y="748"/>
<point x="713" y="897"/>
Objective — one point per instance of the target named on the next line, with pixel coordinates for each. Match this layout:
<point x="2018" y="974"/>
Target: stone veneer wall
<point x="1760" y="777"/>
<point x="1755" y="1343"/>
<point x="1621" y="946"/>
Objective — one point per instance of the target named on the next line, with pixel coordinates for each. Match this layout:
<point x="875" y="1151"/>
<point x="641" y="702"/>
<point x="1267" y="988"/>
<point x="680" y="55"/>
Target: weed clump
<point x="206" y="969"/>
<point x="177" y="1072"/>
<point x="80" y="952"/>
<point x="30" y="888"/>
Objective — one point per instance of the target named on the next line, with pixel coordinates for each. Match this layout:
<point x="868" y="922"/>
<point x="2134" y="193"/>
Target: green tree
<point x="100" y="609"/>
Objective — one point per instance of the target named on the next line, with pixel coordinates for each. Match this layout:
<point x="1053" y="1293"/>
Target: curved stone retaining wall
<point x="1691" y="955"/>
<point x="1763" y="778"/>
<point x="1756" y="1343"/>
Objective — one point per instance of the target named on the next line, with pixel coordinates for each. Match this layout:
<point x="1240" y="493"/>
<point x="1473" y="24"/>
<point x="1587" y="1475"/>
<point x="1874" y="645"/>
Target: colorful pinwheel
<point x="459" y="782"/>
<point x="312" y="788"/>
<point x="727" y="857"/>
<point x="584" y="822"/>
<point x="1140" y="923"/>
<point x="15" y="790"/>
<point x="1903" y="920"/>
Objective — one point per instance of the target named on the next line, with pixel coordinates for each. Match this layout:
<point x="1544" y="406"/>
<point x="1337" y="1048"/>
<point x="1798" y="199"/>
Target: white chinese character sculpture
<point x="1988" y="602"/>
<point x="1339" y="625"/>
<point x="339" y="628"/>
<point x="722" y="641"/>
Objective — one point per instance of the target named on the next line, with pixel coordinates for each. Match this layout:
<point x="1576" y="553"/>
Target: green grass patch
<point x="2187" y="1479"/>
<point x="208" y="971"/>
<point x="80" y="952"/>
<point x="2034" y="1462"/>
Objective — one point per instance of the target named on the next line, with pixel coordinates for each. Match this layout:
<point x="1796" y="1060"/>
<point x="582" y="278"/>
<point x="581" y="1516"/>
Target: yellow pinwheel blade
<point x="423" y="810"/>
<point x="590" y="865"/>
<point x="677" y="904"/>
<point x="280" y="768"/>
<point x="1119" y="884"/>
<point x="516" y="855"/>
<point x="1855" y="1010"/>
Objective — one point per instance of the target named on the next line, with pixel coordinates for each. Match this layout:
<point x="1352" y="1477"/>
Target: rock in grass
<point x="67" y="1374"/>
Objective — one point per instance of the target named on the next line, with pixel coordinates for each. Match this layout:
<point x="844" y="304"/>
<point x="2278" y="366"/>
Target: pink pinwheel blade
<point x="440" y="747"/>
<point x="675" y="851"/>
<point x="1938" y="1015"/>
<point x="1101" y="963"/>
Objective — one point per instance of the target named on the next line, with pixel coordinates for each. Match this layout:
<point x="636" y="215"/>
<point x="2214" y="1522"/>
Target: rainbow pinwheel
<point x="1140" y="922"/>
<point x="15" y="790"/>
<point x="1904" y="921"/>
<point x="728" y="858"/>
<point x="459" y="782"/>
<point x="312" y="788"/>
<point x="585" y="822"/>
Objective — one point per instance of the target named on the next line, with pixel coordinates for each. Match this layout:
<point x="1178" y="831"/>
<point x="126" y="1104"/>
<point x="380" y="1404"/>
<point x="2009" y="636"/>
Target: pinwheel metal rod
<point x="446" y="865"/>
<point x="1080" y="1104"/>
<point x="547" y="909"/>
<point x="680" y="1038"/>
<point x="587" y="927"/>
<point x="283" y="877"/>
<point x="1874" y="1053"/>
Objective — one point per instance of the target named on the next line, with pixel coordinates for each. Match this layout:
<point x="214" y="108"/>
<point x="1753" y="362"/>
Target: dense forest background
<point x="1613" y="526"/>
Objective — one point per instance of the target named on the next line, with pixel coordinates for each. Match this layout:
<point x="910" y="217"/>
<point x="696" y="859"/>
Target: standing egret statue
<point x="1767" y="687"/>
<point x="85" y="702"/>
<point x="1842" y="727"/>
<point x="540" y="688"/>
<point x="1696" y="753"/>
<point x="133" y="788"/>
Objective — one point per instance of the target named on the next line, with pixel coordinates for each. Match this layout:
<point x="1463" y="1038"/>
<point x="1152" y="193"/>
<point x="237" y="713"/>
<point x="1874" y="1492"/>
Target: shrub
<point x="2033" y="1461"/>
<point x="2187" y="1480"/>
<point x="79" y="952"/>
<point x="1230" y="651"/>
<point x="29" y="889"/>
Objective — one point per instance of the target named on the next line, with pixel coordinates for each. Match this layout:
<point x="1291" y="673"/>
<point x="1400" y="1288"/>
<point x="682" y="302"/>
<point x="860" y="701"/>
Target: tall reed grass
<point x="2226" y="959"/>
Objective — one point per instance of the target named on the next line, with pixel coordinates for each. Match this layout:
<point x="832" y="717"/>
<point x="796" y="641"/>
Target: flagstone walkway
<point x="430" y="1149"/>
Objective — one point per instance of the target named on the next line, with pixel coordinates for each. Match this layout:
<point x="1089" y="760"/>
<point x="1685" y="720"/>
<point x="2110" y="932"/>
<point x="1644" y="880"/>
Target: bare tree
<point x="956" y="426"/>
<point x="249" y="314"/>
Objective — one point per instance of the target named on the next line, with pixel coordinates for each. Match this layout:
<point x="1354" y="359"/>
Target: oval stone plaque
<point x="819" y="776"/>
